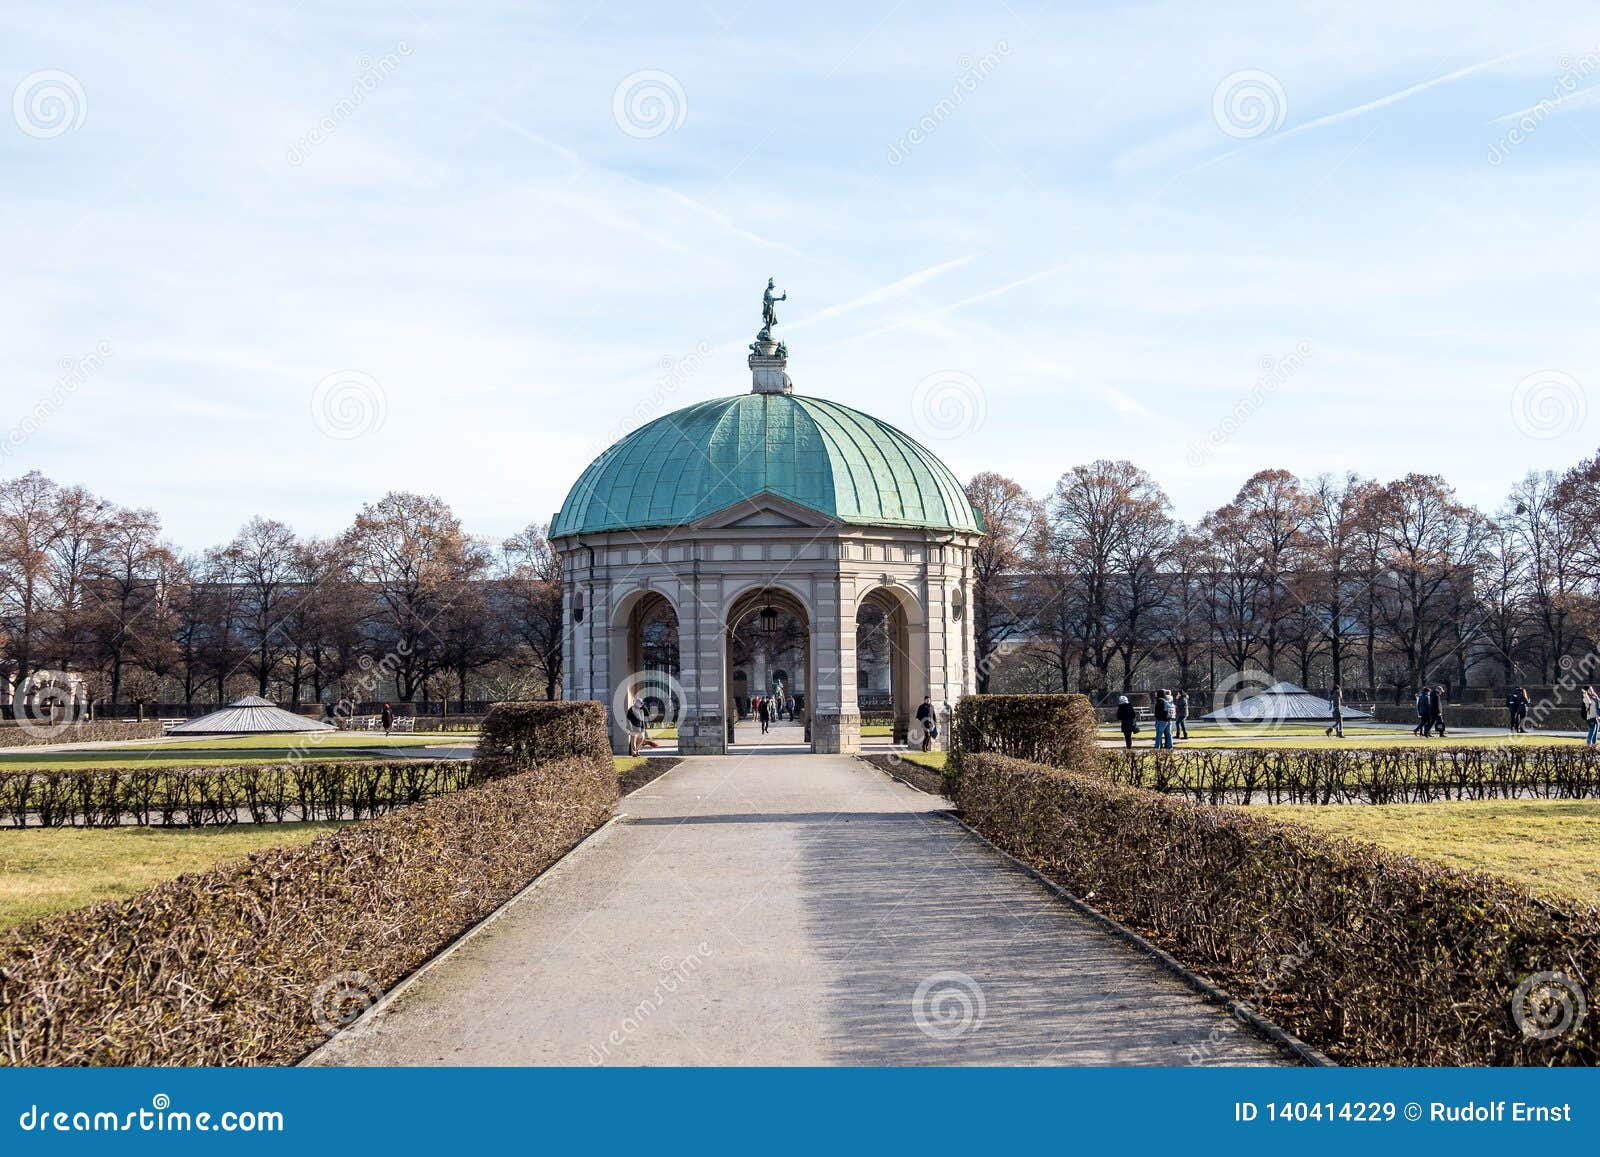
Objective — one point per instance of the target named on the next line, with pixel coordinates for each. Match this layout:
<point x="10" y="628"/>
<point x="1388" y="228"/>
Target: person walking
<point x="388" y="719"/>
<point x="1517" y="704"/>
<point x="1336" y="705"/>
<point x="1180" y="714"/>
<point x="766" y="714"/>
<point x="928" y="722"/>
<point x="1161" y="712"/>
<point x="1424" y="710"/>
<point x="1127" y="719"/>
<point x="1436" y="711"/>
<point x="1591" y="714"/>
<point x="635" y="720"/>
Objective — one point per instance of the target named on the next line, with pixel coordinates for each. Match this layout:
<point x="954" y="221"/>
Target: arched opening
<point x="889" y="686"/>
<point x="769" y="652"/>
<point x="645" y="670"/>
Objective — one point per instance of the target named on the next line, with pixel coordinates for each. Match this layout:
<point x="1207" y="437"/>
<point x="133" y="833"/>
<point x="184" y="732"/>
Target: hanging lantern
<point x="769" y="621"/>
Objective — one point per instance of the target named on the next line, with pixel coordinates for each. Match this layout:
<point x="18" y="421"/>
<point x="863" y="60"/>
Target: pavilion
<point x="251" y="715"/>
<point x="767" y="543"/>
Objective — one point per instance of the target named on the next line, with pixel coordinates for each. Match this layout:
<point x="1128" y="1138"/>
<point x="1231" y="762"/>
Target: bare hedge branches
<point x="1370" y="955"/>
<point x="202" y="796"/>
<point x="518" y="734"/>
<point x="1059" y="730"/>
<point x="1359" y="774"/>
<point x="226" y="967"/>
<point x="87" y="731"/>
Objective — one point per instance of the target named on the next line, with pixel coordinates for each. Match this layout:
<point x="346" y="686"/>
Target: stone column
<point x="835" y="716"/>
<point x="702" y="726"/>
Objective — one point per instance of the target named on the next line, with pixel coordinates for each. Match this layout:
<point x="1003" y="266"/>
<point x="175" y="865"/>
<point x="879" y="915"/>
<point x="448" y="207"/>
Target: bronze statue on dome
<point x="769" y="315"/>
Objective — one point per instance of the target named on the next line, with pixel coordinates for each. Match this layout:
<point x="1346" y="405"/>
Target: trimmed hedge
<point x="519" y="733"/>
<point x="1369" y="955"/>
<point x="203" y="796"/>
<point x="244" y="964"/>
<point x="1056" y="730"/>
<point x="88" y="731"/>
<point x="1360" y="774"/>
<point x="227" y="967"/>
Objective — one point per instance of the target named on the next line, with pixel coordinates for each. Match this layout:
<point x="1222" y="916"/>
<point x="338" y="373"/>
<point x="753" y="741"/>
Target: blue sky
<point x="291" y="256"/>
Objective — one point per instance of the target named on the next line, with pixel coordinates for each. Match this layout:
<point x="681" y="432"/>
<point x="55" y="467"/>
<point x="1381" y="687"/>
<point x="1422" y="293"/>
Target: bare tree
<point x="531" y="579"/>
<point x="1432" y="543"/>
<point x="1011" y="521"/>
<point x="410" y="552"/>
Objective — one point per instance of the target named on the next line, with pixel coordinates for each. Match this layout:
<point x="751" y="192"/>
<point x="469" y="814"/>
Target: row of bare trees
<point x="1095" y="586"/>
<point x="402" y="604"/>
<point x="1335" y="579"/>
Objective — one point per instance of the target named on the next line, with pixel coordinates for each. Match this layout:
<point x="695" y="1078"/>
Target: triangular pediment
<point x="765" y="511"/>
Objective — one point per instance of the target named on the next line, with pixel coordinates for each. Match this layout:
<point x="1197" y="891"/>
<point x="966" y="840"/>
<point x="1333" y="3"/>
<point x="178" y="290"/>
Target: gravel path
<point x="807" y="909"/>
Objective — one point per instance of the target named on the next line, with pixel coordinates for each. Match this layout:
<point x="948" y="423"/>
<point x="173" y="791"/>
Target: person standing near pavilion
<point x="930" y="725"/>
<point x="1161" y="712"/>
<point x="1336" y="705"/>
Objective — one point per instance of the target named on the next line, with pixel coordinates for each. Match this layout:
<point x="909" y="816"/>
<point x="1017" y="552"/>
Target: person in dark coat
<point x="1424" y="711"/>
<point x="929" y="723"/>
<point x="766" y="714"/>
<point x="388" y="718"/>
<point x="1336" y="705"/>
<point x="1517" y="704"/>
<point x="1436" y="711"/>
<point x="1180" y="714"/>
<point x="1127" y="719"/>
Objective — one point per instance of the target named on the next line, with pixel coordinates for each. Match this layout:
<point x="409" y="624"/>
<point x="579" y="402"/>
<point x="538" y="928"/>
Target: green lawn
<point x="314" y="740"/>
<point x="1548" y="845"/>
<point x="933" y="759"/>
<point x="214" y="752"/>
<point x="45" y="870"/>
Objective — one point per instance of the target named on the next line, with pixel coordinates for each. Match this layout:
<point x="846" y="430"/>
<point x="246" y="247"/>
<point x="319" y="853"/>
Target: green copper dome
<point x="706" y="457"/>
